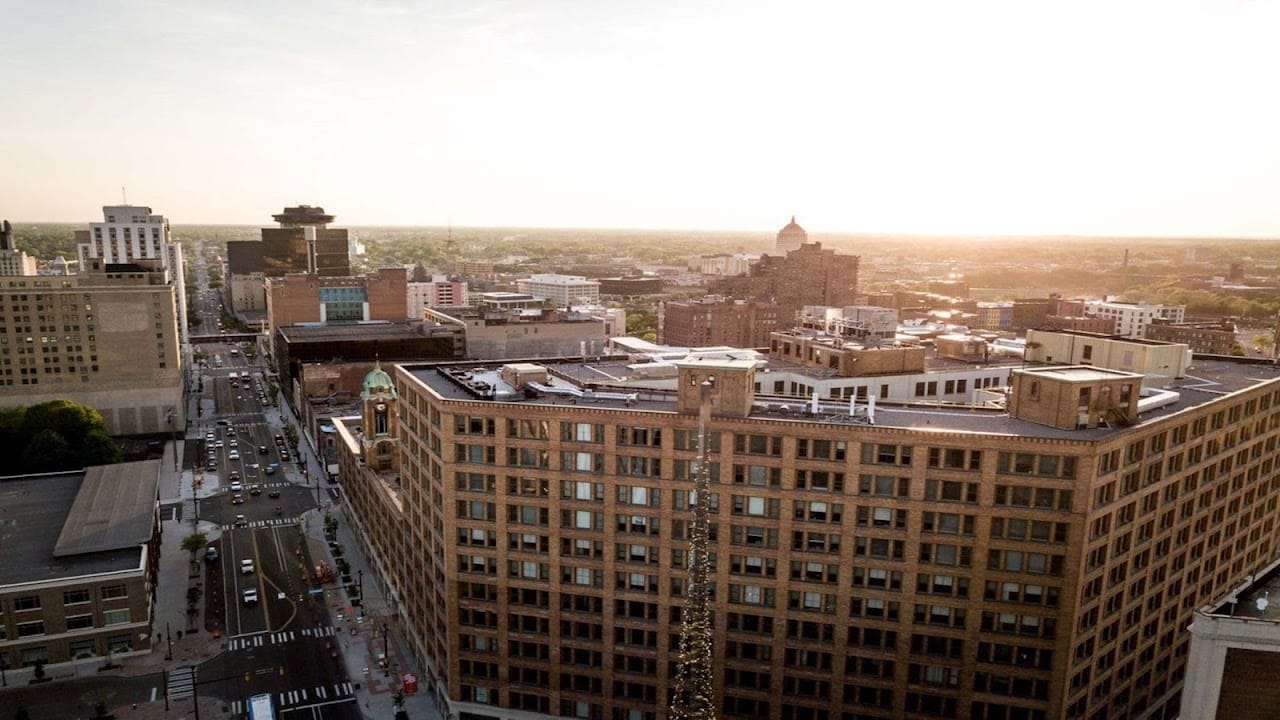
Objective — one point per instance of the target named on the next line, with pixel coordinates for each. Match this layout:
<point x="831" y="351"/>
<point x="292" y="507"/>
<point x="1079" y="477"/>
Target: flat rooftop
<point x="604" y="383"/>
<point x="1253" y="601"/>
<point x="356" y="331"/>
<point x="35" y="511"/>
<point x="1079" y="373"/>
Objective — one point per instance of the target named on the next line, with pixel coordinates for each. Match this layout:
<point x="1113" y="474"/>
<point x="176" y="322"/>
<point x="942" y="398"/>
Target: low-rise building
<point x="81" y="551"/>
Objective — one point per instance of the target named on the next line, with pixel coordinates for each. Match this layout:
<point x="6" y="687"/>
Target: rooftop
<point x="354" y="331"/>
<point x="114" y="509"/>
<point x="608" y="383"/>
<point x="1252" y="601"/>
<point x="36" y="511"/>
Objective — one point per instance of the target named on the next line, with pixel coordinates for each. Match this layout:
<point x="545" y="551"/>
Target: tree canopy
<point x="53" y="436"/>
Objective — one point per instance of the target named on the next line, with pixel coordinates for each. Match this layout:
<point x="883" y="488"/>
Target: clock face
<point x="381" y="407"/>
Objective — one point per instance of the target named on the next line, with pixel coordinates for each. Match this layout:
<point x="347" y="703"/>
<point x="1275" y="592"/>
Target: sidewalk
<point x="360" y="638"/>
<point x="369" y="631"/>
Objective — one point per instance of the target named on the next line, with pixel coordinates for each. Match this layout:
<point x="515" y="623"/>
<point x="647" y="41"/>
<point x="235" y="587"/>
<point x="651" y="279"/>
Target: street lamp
<point x="386" y="650"/>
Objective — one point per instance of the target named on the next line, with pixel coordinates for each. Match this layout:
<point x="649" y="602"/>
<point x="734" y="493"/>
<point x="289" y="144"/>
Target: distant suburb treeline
<point x="54" y="436"/>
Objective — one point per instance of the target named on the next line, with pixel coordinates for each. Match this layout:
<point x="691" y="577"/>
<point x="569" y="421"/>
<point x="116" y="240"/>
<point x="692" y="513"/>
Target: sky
<point x="1112" y="117"/>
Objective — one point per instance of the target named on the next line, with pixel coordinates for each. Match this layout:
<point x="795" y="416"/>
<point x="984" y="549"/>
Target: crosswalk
<point x="181" y="683"/>
<point x="273" y="522"/>
<point x="256" y="640"/>
<point x="318" y="695"/>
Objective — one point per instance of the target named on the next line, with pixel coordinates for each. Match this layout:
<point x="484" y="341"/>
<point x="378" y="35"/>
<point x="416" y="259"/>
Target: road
<point x="283" y="643"/>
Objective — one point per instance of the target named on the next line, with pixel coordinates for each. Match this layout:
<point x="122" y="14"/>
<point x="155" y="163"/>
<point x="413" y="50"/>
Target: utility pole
<point x="694" y="694"/>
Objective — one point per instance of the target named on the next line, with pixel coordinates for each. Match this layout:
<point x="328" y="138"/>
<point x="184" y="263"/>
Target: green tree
<point x="97" y="448"/>
<point x="194" y="543"/>
<point x="48" y="452"/>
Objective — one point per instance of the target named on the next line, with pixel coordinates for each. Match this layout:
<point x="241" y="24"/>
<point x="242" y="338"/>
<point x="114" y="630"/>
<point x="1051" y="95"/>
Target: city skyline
<point x="1096" y="118"/>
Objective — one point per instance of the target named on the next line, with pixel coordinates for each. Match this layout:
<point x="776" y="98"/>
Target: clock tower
<point x="378" y="442"/>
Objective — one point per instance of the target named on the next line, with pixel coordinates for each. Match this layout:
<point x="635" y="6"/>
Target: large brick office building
<point x="1039" y="560"/>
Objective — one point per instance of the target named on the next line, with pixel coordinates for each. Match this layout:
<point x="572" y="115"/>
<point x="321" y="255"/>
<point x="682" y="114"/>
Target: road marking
<point x="322" y="704"/>
<point x="320" y="692"/>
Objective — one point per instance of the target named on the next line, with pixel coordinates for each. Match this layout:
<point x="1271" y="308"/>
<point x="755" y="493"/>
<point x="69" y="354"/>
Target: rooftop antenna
<point x="124" y="199"/>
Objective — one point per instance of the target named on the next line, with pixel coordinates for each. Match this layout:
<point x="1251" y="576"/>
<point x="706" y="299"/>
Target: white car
<point x="236" y="487"/>
<point x="233" y="455"/>
<point x="251" y="596"/>
<point x="246" y="567"/>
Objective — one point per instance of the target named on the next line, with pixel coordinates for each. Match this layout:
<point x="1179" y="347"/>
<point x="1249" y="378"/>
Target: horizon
<point x="1131" y="118"/>
<point x="765" y="234"/>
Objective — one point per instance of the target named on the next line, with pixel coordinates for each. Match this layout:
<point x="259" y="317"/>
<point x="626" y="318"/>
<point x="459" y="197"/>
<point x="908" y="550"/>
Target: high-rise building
<point x="106" y="337"/>
<point x="132" y="234"/>
<point x="808" y="275"/>
<point x="1036" y="553"/>
<point x="304" y="243"/>
<point x="12" y="260"/>
<point x="790" y="237"/>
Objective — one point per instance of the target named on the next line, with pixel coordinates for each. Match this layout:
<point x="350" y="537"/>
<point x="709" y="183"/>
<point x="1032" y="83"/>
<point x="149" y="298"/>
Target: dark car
<point x="262" y="449"/>
<point x="273" y="494"/>
<point x="255" y="489"/>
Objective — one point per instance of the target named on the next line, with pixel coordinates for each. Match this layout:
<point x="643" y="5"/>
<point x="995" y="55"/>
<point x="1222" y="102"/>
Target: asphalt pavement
<point x="134" y="687"/>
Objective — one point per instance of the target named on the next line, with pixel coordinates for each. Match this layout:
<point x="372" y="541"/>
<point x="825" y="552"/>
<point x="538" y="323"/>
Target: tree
<point x="194" y="543"/>
<point x="47" y="452"/>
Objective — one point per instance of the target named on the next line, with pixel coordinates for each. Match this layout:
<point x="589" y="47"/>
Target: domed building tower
<point x="378" y="443"/>
<point x="791" y="238"/>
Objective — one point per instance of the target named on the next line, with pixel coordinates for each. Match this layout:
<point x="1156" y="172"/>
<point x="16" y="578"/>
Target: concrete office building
<point x="499" y="327"/>
<point x="561" y="290"/>
<point x="12" y="260"/>
<point x="107" y="338"/>
<point x="439" y="291"/>
<point x="1041" y="558"/>
<point x="1132" y="319"/>
<point x="132" y="234"/>
<point x="81" y="551"/>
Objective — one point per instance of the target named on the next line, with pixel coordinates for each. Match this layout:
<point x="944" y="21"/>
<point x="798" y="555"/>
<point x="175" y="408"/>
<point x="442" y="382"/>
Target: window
<point x="28" y="629"/>
<point x="79" y="622"/>
<point x="29" y="602"/>
<point x="583" y="462"/>
<point x="886" y="454"/>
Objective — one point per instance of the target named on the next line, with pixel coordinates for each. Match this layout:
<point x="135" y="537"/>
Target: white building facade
<point x="131" y="233"/>
<point x="1132" y="319"/>
<point x="563" y="290"/>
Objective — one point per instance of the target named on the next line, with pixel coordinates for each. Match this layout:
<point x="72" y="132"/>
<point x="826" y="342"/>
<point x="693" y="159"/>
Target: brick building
<point x="81" y="553"/>
<point x="874" y="560"/>
<point x="717" y="321"/>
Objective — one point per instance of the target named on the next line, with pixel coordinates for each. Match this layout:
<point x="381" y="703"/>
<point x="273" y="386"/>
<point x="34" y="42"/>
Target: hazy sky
<point x="1109" y="117"/>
